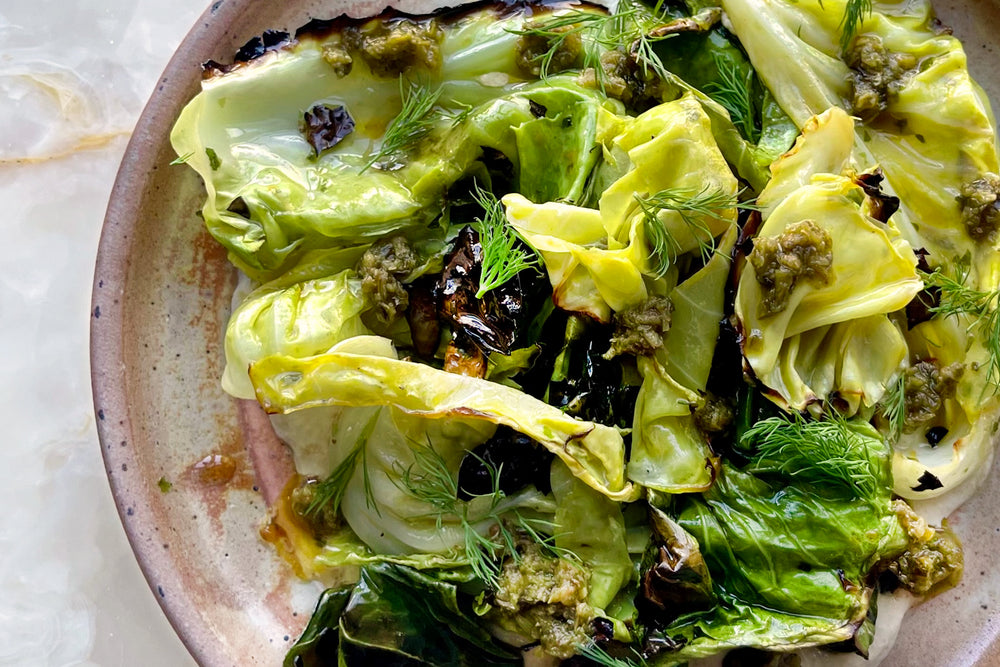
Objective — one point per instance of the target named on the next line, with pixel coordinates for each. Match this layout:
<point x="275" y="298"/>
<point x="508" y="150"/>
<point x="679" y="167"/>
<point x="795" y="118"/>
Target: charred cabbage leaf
<point x="669" y="453"/>
<point x="790" y="554"/>
<point x="399" y="616"/>
<point x="591" y="527"/>
<point x="593" y="452"/>
<point x="271" y="197"/>
<point x="824" y="334"/>
<point x="933" y="137"/>
<point x="304" y="312"/>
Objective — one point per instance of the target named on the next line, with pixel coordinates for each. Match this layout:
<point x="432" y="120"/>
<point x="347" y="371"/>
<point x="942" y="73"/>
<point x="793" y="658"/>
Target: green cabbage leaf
<point x="304" y="312"/>
<point x="400" y="616"/>
<point x="598" y="260"/>
<point x="271" y="197"/>
<point x="591" y="526"/>
<point x="790" y="545"/>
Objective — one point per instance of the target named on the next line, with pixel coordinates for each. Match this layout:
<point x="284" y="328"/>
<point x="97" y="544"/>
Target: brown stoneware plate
<point x="192" y="469"/>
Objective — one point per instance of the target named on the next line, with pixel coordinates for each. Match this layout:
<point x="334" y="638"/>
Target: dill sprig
<point x="430" y="481"/>
<point x="694" y="208"/>
<point x="461" y="114"/>
<point x="824" y="452"/>
<point x="331" y="490"/>
<point x="628" y="25"/>
<point x="893" y="408"/>
<point x="555" y="30"/>
<point x="636" y="26"/>
<point x="593" y="652"/>
<point x="505" y="254"/>
<point x="955" y="298"/>
<point x="413" y="122"/>
<point x="181" y="159"/>
<point x="733" y="90"/>
<point x="855" y="12"/>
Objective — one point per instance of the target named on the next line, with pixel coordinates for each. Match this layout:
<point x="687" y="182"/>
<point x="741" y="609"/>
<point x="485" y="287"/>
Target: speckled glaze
<point x="161" y="299"/>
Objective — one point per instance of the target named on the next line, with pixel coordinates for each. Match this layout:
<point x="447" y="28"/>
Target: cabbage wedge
<point x="830" y="340"/>
<point x="593" y="452"/>
<point x="598" y="260"/>
<point x="936" y="133"/>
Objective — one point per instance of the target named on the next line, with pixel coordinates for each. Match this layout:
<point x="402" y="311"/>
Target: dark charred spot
<point x="325" y="126"/>
<point x="936" y="435"/>
<point x="537" y="110"/>
<point x="501" y="169"/>
<point x="493" y="322"/>
<point x="258" y="46"/>
<point x="725" y="379"/>
<point x="519" y="459"/>
<point x="239" y="207"/>
<point x="589" y="386"/>
<point x="603" y="628"/>
<point x="921" y="307"/>
<point x="422" y="316"/>
<point x="927" y="482"/>
<point x="940" y="28"/>
<point x="744" y="242"/>
<point x="883" y="205"/>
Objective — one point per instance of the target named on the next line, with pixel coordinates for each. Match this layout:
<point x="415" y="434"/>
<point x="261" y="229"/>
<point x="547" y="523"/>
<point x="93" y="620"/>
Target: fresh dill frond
<point x="733" y="90"/>
<point x="414" y="121"/>
<point x="893" y="408"/>
<point x="628" y="25"/>
<point x="636" y="26"/>
<point x="181" y="159"/>
<point x="825" y="452"/>
<point x="331" y="490"/>
<point x="855" y="13"/>
<point x="555" y="30"/>
<point x="955" y="298"/>
<point x="694" y="208"/>
<point x="504" y="253"/>
<point x="430" y="481"/>
<point x="593" y="652"/>
<point x="461" y="115"/>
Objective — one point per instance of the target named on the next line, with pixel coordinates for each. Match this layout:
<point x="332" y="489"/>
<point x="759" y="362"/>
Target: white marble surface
<point x="74" y="76"/>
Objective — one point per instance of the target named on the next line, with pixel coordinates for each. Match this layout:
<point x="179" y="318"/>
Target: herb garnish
<point x="430" y="481"/>
<point x="827" y="452"/>
<point x="331" y="490"/>
<point x="181" y="159"/>
<point x="893" y="408"/>
<point x="855" y="12"/>
<point x="505" y="254"/>
<point x="627" y="25"/>
<point x="414" y="121"/>
<point x="956" y="298"/>
<point x="733" y="91"/>
<point x="597" y="654"/>
<point x="694" y="208"/>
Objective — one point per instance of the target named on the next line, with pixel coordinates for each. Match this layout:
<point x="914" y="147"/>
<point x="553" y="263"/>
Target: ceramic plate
<point x="181" y="455"/>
